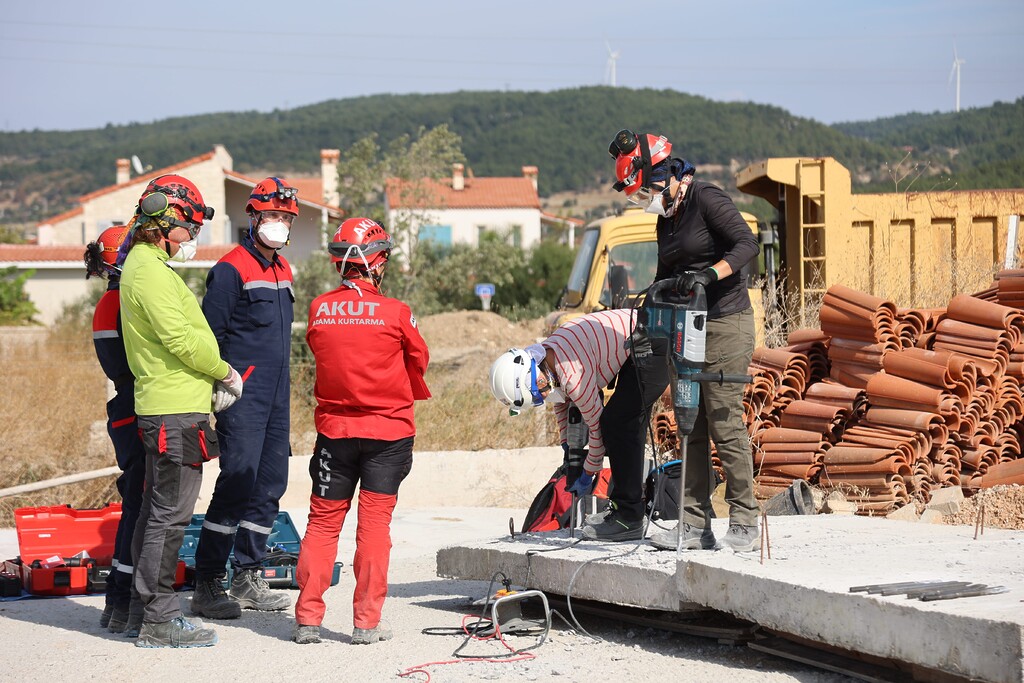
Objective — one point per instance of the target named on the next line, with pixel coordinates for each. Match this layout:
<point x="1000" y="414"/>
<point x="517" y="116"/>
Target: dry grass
<point x="53" y="422"/>
<point x="56" y="392"/>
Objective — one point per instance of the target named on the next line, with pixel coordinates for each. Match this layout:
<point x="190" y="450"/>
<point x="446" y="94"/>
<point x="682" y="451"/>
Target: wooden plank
<point x="830" y="661"/>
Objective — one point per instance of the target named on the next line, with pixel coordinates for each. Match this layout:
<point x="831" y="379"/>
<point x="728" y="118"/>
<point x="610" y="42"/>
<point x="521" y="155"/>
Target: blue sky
<point x="73" y="65"/>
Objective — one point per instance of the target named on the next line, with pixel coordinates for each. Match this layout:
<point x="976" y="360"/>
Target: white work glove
<point x="227" y="390"/>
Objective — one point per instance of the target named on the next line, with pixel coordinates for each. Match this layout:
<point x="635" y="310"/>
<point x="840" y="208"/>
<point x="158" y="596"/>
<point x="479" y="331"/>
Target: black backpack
<point x="662" y="491"/>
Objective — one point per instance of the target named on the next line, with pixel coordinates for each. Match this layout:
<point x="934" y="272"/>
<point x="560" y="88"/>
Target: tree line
<point x="564" y="133"/>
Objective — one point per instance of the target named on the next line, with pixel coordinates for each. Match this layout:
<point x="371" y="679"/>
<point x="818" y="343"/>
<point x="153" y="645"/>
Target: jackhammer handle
<point x="721" y="378"/>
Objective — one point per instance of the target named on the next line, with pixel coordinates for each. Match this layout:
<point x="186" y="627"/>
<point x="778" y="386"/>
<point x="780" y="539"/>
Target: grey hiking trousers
<point x="174" y="472"/>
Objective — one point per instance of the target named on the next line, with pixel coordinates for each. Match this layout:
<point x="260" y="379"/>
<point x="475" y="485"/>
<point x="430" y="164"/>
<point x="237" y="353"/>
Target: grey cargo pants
<point x="730" y="347"/>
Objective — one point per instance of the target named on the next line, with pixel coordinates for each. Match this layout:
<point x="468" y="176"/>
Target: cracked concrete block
<point x="946" y="501"/>
<point x="931" y="517"/>
<point x="907" y="513"/>
<point x="839" y="507"/>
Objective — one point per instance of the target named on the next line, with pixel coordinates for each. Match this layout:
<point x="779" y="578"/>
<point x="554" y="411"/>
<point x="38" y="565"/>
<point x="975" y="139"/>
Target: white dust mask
<point x="186" y="251"/>
<point x="275" y="235"/>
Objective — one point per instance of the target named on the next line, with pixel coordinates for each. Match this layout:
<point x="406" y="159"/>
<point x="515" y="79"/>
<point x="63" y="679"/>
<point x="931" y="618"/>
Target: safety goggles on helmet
<point x="283" y="193"/>
<point x="161" y="198"/>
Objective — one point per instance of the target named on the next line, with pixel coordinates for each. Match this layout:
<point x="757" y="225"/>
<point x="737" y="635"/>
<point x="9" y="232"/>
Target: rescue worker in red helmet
<point x="370" y="362"/>
<point x="175" y="360"/>
<point x="702" y="238"/>
<point x="248" y="304"/>
<point x="101" y="261"/>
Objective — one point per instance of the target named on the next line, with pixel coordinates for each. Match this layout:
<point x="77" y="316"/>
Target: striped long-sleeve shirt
<point x="589" y="352"/>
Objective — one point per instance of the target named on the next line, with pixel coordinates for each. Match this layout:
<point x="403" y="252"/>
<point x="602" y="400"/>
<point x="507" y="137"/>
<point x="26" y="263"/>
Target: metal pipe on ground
<point x="59" y="481"/>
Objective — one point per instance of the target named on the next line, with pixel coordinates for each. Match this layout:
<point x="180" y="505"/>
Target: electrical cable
<point x="513" y="655"/>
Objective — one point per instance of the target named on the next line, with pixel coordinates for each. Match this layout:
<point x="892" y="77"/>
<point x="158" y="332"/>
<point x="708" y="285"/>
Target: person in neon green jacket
<point x="176" y="363"/>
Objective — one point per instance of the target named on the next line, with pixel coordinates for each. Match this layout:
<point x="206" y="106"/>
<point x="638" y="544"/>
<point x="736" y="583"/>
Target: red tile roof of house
<point x="479" y="193"/>
<point x="306" y="196"/>
<point x="62" y="216"/>
<point x="75" y="253"/>
<point x="149" y="176"/>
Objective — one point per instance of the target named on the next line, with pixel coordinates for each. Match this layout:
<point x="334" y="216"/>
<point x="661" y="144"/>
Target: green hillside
<point x="564" y="133"/>
<point x="983" y="147"/>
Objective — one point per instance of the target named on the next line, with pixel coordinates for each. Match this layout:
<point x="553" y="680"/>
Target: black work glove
<point x="686" y="281"/>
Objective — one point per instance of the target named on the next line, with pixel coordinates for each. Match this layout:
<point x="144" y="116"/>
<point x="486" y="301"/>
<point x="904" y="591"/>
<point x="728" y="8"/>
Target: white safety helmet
<point x="514" y="381"/>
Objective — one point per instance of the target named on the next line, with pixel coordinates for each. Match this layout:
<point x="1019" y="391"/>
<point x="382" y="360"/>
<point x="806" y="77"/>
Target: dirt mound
<point x="477" y="329"/>
<point x="1004" y="508"/>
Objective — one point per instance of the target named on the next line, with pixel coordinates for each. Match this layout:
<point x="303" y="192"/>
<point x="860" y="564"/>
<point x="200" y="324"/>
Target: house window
<point x="481" y="232"/>
<point x="516" y="236"/>
<point x="439" y="234"/>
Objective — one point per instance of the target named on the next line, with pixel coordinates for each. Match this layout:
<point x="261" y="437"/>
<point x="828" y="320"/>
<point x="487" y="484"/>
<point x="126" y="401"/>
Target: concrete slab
<point x="804" y="589"/>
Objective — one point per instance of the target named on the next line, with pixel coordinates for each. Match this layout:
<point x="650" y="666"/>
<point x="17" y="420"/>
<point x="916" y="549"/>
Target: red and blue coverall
<point x="124" y="434"/>
<point x="249" y="305"/>
<point x="370" y="362"/>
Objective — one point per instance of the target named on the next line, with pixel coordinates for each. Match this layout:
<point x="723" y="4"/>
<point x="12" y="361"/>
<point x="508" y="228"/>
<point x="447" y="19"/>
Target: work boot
<point x="136" y="611"/>
<point x="741" y="538"/>
<point x="118" y="620"/>
<point x="368" y="636"/>
<point x="251" y="591"/>
<point x="178" y="632"/>
<point x="108" y="610"/>
<point x="694" y="538"/>
<point x="212" y="601"/>
<point x="305" y="635"/>
<point x="615" y="527"/>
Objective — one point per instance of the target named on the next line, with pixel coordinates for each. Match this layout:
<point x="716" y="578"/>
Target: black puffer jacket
<point x="705" y="230"/>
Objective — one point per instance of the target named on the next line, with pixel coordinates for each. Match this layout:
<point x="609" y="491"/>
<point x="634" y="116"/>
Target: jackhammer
<point x="682" y="320"/>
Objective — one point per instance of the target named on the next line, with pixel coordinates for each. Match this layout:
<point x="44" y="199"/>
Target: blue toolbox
<point x="278" y="568"/>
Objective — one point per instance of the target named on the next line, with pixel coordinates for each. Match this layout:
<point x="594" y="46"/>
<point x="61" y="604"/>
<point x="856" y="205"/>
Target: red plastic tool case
<point x="62" y="531"/>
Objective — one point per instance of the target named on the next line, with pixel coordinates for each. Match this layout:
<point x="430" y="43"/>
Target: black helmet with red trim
<point x="360" y="243"/>
<point x="101" y="255"/>
<point x="273" y="194"/>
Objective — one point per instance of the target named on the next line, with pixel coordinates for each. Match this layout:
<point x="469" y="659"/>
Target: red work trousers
<point x="370" y="566"/>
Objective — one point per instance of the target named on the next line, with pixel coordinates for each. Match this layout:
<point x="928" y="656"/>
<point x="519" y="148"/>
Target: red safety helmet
<point x="361" y="243"/>
<point x="101" y="255"/>
<point x="273" y="194"/>
<point x="634" y="156"/>
<point x="169" y="191"/>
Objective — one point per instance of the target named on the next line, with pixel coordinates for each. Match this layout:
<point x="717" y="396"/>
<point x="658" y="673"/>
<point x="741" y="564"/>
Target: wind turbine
<point x="609" y="70"/>
<point x="956" y="70"/>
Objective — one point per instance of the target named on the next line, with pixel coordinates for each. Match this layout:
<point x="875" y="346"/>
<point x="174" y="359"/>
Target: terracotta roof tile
<point x="149" y="176"/>
<point x="62" y="216"/>
<point x="75" y="253"/>
<point x="34" y="252"/>
<point x="306" y="195"/>
<point x="479" y="193"/>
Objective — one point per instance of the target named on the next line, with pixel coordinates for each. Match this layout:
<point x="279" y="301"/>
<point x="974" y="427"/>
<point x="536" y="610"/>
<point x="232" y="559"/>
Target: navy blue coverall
<point x="123" y="429"/>
<point x="249" y="305"/>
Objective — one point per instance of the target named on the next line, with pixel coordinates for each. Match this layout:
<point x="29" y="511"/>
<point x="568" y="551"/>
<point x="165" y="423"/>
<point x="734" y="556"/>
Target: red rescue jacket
<point x="370" y="362"/>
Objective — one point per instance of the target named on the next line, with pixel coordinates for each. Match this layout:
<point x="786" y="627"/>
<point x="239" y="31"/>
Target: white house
<point x="58" y="255"/>
<point x="461" y="209"/>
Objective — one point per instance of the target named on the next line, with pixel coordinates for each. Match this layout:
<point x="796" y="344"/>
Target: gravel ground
<point x="58" y="638"/>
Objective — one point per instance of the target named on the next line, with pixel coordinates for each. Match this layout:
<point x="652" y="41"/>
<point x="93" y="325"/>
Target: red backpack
<point x="550" y="507"/>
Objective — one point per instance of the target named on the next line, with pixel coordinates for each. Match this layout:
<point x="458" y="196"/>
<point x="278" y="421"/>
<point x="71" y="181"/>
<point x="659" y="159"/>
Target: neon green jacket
<point x="171" y="350"/>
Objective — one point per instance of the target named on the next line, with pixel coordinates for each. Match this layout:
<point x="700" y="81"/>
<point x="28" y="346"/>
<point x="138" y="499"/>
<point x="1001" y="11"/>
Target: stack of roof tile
<point x="890" y="407"/>
<point x="862" y="328"/>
